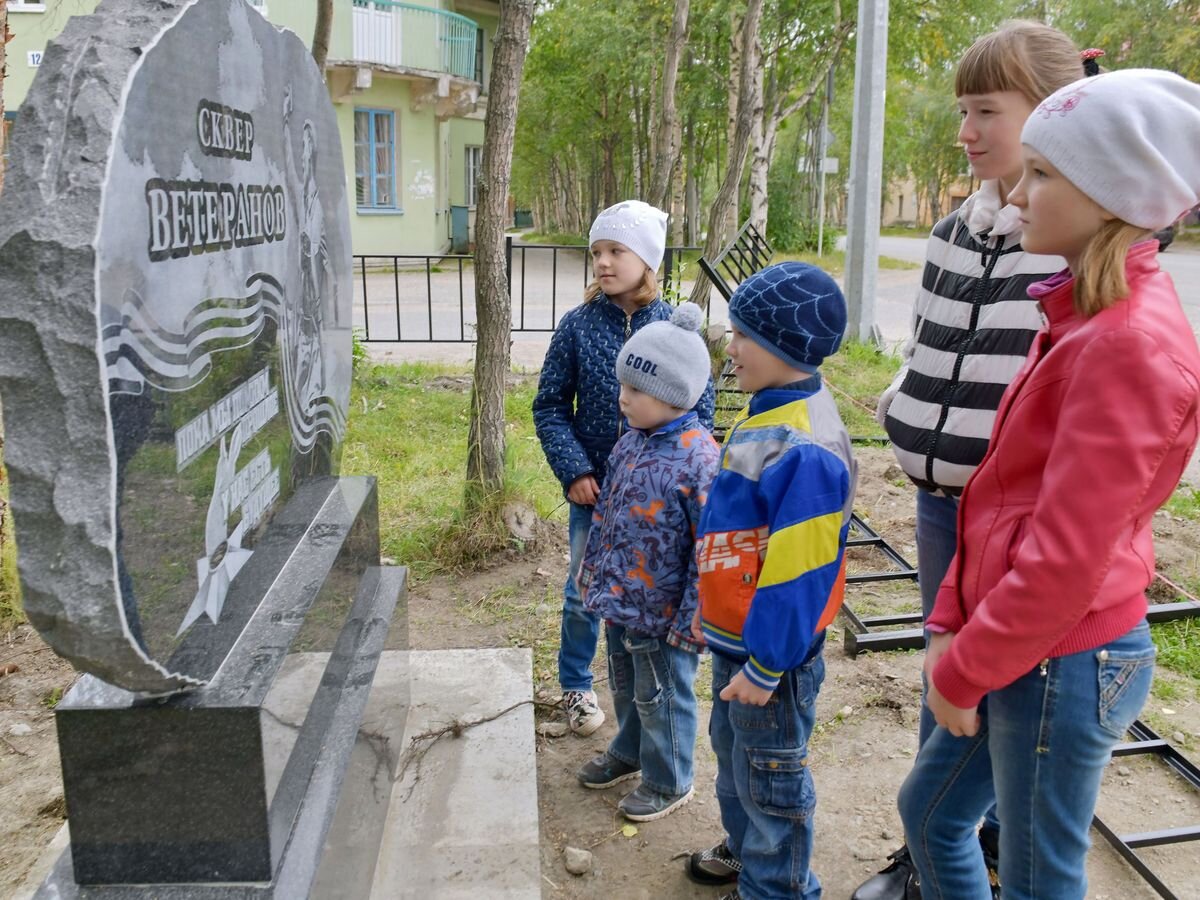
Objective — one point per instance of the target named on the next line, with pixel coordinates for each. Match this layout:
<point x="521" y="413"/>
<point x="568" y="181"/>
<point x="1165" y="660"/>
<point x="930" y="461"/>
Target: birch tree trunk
<point x="321" y="33"/>
<point x="493" y="305"/>
<point x="725" y="202"/>
<point x="4" y="36"/>
<point x="666" y="142"/>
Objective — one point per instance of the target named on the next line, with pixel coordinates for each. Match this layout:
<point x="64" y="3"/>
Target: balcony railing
<point x="414" y="37"/>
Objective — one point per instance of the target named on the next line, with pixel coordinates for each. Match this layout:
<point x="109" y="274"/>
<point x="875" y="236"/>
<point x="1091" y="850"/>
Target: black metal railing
<point x="415" y="298"/>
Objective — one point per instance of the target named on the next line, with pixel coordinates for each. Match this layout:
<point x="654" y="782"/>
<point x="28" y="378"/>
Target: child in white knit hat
<point x="639" y="571"/>
<point x="1041" y="657"/>
<point x="576" y="410"/>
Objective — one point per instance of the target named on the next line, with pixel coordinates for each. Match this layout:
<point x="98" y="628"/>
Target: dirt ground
<point x="862" y="750"/>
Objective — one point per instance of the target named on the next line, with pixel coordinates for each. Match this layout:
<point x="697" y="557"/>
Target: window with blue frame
<point x="375" y="159"/>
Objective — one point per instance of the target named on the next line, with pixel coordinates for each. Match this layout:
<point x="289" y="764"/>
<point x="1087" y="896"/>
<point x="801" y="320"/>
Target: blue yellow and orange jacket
<point x="639" y="569"/>
<point x="772" y="546"/>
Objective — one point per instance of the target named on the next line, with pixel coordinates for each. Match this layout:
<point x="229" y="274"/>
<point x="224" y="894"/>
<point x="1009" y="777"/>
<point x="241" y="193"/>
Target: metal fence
<point x="413" y="298"/>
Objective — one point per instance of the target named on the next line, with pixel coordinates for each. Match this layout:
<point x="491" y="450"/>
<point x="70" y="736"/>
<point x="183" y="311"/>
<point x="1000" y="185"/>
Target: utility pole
<point x="866" y="169"/>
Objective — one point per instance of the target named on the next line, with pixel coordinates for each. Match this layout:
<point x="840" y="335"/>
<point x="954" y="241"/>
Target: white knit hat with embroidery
<point x="1129" y="139"/>
<point x="639" y="226"/>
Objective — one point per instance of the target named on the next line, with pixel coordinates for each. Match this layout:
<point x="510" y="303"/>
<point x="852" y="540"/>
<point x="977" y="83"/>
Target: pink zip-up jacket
<point x="1055" y="550"/>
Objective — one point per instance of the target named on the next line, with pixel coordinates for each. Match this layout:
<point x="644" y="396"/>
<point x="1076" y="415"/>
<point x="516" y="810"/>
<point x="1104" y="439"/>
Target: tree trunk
<point x="725" y="202"/>
<point x="760" y="156"/>
<point x="666" y="142"/>
<point x="493" y="305"/>
<point x="321" y="33"/>
<point x="4" y="36"/>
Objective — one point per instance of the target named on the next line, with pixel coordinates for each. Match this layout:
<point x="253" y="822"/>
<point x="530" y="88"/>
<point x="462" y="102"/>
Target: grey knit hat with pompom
<point x="668" y="360"/>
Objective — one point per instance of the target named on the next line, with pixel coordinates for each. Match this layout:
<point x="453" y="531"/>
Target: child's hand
<point x="958" y="721"/>
<point x="697" y="631"/>
<point x="746" y="691"/>
<point x="584" y="491"/>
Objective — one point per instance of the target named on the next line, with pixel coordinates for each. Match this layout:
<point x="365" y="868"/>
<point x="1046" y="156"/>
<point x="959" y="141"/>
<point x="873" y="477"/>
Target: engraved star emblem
<point x="225" y="556"/>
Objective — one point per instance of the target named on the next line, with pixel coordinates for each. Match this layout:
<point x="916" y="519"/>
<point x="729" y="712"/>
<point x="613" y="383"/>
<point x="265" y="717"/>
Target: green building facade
<point x="409" y="86"/>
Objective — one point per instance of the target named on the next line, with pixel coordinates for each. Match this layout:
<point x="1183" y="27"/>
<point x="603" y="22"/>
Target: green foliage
<point x="358" y="350"/>
<point x="857" y="374"/>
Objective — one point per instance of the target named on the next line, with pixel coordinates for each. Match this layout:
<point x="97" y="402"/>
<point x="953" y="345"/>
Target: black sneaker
<point x="645" y="805"/>
<point x="604" y="771"/>
<point x="897" y="882"/>
<point x="716" y="865"/>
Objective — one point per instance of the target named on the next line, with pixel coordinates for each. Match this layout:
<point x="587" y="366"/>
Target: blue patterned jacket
<point x="575" y="411"/>
<point x="639" y="569"/>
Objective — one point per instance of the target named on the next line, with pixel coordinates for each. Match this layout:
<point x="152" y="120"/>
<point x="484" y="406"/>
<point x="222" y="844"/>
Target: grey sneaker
<point x="732" y="895"/>
<point x="717" y="865"/>
<point x="645" y="805"/>
<point x="584" y="714"/>
<point x="604" y="771"/>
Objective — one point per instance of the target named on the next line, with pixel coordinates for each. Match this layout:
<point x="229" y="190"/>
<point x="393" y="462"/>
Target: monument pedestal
<point x="187" y="789"/>
<point x="462" y="824"/>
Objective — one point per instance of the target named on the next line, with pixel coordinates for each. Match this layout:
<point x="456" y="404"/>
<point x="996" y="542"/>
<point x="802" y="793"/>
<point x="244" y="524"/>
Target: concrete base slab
<point x="463" y="821"/>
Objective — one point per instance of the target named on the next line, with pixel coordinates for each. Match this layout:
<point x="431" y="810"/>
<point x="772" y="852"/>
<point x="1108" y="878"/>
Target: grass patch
<point x="857" y="374"/>
<point x="1178" y="646"/>
<point x="914" y="231"/>
<point x="554" y="237"/>
<point x="834" y="262"/>
<point x="1185" y="503"/>
<point x="408" y="427"/>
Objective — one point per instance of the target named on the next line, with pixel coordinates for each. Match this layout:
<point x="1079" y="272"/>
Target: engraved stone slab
<point x="174" y="323"/>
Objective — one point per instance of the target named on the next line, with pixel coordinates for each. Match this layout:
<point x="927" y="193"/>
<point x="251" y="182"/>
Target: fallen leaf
<point x="629" y="830"/>
<point x="1168" y="712"/>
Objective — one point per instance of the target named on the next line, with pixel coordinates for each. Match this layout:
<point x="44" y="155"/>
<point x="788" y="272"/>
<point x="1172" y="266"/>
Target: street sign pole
<point x="866" y="169"/>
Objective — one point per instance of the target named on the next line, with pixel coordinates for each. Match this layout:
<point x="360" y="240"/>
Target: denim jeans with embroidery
<point x="580" y="628"/>
<point x="653" y="690"/>
<point x="764" y="787"/>
<point x="1039" y="755"/>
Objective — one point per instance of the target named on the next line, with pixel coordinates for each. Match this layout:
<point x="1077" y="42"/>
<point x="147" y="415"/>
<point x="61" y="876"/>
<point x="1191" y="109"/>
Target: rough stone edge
<point x="49" y="342"/>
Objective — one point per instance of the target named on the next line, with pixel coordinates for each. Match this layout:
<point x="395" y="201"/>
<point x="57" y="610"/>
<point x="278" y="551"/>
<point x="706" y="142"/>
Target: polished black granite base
<point x="177" y="794"/>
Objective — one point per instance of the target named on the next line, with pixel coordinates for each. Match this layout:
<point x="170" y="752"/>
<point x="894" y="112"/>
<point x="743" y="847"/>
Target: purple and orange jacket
<point x="773" y="534"/>
<point x="639" y="569"/>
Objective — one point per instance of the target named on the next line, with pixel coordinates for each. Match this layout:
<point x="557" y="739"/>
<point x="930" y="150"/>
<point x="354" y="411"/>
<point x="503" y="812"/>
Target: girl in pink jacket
<point x="1041" y="657"/>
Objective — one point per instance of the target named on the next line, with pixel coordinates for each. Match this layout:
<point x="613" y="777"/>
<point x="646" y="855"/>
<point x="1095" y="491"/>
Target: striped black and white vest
<point x="973" y="324"/>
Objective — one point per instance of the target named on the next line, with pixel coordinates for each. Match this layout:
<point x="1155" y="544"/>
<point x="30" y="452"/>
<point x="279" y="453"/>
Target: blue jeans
<point x="937" y="539"/>
<point x="653" y="690"/>
<point x="1040" y="754"/>
<point x="764" y="788"/>
<point x="580" y="629"/>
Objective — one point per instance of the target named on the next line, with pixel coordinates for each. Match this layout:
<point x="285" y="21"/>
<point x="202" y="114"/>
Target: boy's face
<point x="991" y="133"/>
<point x="1056" y="217"/>
<point x="645" y="411"/>
<point x="756" y="368"/>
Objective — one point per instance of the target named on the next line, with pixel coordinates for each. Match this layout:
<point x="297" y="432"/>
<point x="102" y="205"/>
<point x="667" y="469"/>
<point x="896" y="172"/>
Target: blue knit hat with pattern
<point x="792" y="310"/>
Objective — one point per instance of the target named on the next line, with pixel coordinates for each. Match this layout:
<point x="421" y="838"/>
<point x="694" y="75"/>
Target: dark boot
<point x="897" y="882"/>
<point x="989" y="840"/>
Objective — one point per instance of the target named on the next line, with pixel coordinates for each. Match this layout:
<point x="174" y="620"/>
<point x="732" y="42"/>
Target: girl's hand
<point x="938" y="645"/>
<point x="584" y="491"/>
<point x="746" y="691"/>
<point x="958" y="721"/>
